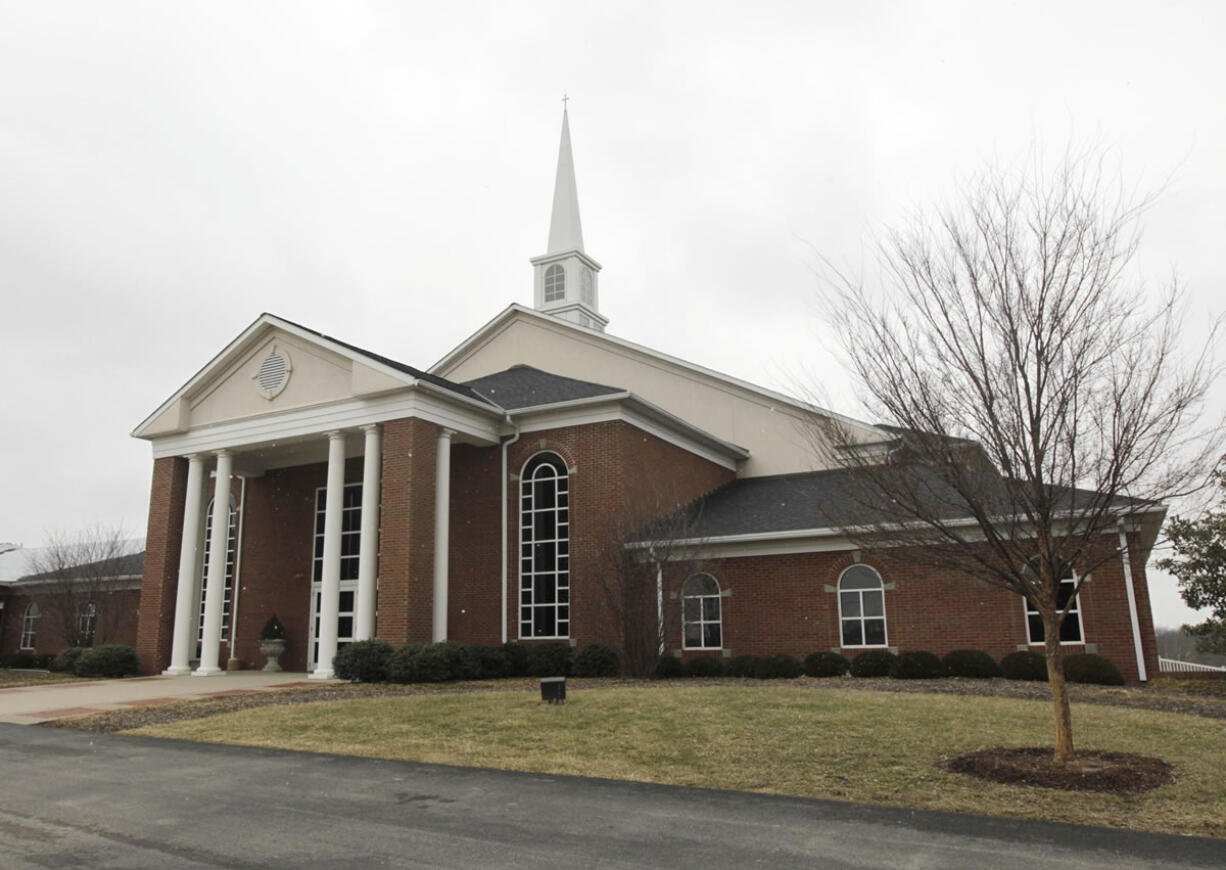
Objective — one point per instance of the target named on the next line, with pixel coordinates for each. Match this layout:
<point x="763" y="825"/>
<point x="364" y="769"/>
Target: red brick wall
<point x="406" y="550"/>
<point x="117" y="626"/>
<point x="618" y="473"/>
<point x="780" y="604"/>
<point x="474" y="595"/>
<point x="163" y="538"/>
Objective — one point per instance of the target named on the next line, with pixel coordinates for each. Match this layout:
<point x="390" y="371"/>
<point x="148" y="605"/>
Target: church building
<point x="489" y="497"/>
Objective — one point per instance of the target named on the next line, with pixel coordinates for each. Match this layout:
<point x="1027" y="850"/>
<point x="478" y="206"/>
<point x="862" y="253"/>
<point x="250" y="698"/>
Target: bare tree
<point x="634" y="553"/>
<point x="76" y="581"/>
<point x="1036" y="402"/>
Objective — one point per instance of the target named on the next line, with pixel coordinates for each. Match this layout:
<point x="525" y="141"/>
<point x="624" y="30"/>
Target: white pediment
<point x="273" y="367"/>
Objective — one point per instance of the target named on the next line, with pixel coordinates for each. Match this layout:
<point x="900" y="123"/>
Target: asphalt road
<point x="72" y="799"/>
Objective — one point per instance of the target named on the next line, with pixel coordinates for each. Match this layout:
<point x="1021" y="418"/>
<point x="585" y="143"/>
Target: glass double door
<point x="344" y="620"/>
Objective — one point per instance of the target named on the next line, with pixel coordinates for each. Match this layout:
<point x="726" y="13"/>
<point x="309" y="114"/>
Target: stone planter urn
<point x="272" y="643"/>
<point x="271" y="648"/>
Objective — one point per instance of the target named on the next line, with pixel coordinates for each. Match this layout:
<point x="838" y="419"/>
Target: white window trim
<point x="560" y="292"/>
<point x="703" y="621"/>
<point x="229" y="575"/>
<point x="29" y="627"/>
<point x="87" y="621"/>
<point x="519" y="604"/>
<point x="885" y="621"/>
<point x="1081" y="628"/>
<point x="316" y="570"/>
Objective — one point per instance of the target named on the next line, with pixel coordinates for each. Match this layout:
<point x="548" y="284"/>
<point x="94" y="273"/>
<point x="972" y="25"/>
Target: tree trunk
<point x="1063" y="751"/>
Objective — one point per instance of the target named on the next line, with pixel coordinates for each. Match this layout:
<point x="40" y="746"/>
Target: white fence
<point x="1174" y="666"/>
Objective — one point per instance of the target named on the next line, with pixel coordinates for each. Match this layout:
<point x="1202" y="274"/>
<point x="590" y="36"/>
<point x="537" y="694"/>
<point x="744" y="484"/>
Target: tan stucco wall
<point x="775" y="433"/>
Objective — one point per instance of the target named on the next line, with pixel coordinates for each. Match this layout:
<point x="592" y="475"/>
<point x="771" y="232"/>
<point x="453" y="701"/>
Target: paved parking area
<point x="28" y="705"/>
<point x="82" y="800"/>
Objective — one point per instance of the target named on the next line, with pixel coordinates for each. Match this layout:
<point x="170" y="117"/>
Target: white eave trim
<point x="467" y="346"/>
<point x="813" y="540"/>
<point x="465" y="416"/>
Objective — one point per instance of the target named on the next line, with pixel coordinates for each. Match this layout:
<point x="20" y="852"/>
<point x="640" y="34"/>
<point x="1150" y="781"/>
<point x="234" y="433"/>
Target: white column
<point x="215" y="588"/>
<point x="189" y="564"/>
<point x="330" y="587"/>
<point x="442" y="531"/>
<point x="368" y="559"/>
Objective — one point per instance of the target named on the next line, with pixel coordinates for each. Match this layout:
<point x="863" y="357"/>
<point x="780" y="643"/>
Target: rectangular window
<point x="351" y="554"/>
<point x="1070" y="628"/>
<point x="228" y="595"/>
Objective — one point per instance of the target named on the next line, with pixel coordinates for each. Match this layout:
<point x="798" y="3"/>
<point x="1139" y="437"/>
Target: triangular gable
<point x="274" y="365"/>
<point x="776" y="429"/>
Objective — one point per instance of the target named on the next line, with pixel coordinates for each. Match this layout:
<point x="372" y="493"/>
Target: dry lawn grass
<point x="849" y="745"/>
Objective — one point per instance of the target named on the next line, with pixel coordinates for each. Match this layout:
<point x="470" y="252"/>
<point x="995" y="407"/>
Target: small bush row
<point x="913" y="665"/>
<point x="374" y="661"/>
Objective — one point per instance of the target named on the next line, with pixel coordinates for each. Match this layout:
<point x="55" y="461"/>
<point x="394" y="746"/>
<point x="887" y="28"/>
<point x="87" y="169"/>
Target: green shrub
<point x="109" y="660"/>
<point x="669" y="668"/>
<point x="402" y="666"/>
<point x="66" y="661"/>
<point x="365" y="661"/>
<point x="704" y="666"/>
<point x="826" y="664"/>
<point x="778" y="667"/>
<point x="596" y="660"/>
<point x="741" y="666"/>
<point x="20" y="660"/>
<point x="492" y="662"/>
<point x="917" y="665"/>
<point x="973" y="664"/>
<point x="873" y="663"/>
<point x="461" y="660"/>
<point x="1090" y="668"/>
<point x="1024" y="666"/>
<point x="519" y="659"/>
<point x="549" y="660"/>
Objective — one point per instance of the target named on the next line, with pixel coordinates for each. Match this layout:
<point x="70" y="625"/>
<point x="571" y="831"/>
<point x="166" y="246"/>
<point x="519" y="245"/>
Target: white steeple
<point x="565" y="277"/>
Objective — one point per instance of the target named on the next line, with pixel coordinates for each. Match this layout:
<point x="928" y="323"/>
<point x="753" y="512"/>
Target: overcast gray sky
<point x="383" y="172"/>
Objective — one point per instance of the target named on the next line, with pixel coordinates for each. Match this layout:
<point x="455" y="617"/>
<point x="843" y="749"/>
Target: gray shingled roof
<point x="130" y="565"/>
<point x="828" y="499"/>
<point x="523" y="386"/>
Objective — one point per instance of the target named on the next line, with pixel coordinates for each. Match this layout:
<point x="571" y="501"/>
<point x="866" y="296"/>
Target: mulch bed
<point x="1119" y="773"/>
<point x="1148" y="698"/>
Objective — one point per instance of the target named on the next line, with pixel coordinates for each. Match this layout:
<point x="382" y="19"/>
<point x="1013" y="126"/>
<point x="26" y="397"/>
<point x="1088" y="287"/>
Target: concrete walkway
<point x="27" y="705"/>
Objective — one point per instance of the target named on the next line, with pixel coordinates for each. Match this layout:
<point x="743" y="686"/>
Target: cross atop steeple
<point x="565" y="276"/>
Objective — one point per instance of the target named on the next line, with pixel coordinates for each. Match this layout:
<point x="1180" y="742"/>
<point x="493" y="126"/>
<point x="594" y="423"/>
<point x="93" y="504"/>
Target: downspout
<point x="1132" y="605"/>
<point x="232" y="664"/>
<point x="659" y="601"/>
<point x="505" y="554"/>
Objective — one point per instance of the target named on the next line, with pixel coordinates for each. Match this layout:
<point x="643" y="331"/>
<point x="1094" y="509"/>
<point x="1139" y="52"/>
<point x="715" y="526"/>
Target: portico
<point x="340" y="507"/>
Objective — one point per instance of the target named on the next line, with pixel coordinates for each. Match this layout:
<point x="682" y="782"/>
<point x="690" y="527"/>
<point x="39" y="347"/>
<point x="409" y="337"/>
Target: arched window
<point x="544" y="548"/>
<point x="701" y="616"/>
<point x="862" y="607"/>
<point x="29" y="625"/>
<point x="587" y="286"/>
<point x="228" y="596"/>
<point x="87" y="621"/>
<point x="555" y="283"/>
<point x="1070" y="628"/>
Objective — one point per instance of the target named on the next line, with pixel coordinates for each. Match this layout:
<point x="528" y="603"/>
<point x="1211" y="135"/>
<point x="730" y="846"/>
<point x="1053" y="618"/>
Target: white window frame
<point x="555" y="283"/>
<point x="528" y="567"/>
<point x="29" y="627"/>
<point x="227" y="598"/>
<point x="87" y="621"/>
<point x="351" y="540"/>
<point x="702" y="622"/>
<point x="885" y="622"/>
<point x="1027" y="612"/>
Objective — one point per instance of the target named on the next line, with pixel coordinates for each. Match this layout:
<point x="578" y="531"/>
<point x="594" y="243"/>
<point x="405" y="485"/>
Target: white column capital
<point x="223" y="453"/>
<point x="370" y="427"/>
<point x="445" y="434"/>
<point x="335" y="434"/>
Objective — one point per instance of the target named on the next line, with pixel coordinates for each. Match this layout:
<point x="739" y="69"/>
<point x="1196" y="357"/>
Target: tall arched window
<point x="227" y="600"/>
<point x="862" y="607"/>
<point x="29" y="626"/>
<point x="555" y="283"/>
<point x="701" y="615"/>
<point x="544" y="548"/>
